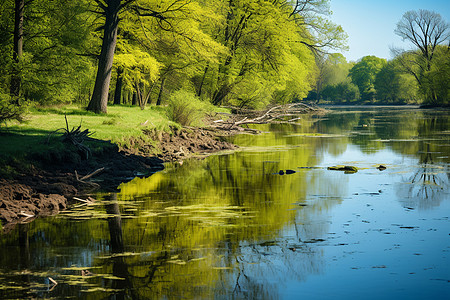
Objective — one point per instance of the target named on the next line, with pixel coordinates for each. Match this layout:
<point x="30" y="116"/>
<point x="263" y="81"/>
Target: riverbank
<point x="41" y="174"/>
<point x="45" y="184"/>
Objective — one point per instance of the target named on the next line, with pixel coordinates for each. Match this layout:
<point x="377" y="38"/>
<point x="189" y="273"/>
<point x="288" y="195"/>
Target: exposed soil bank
<point x="46" y="182"/>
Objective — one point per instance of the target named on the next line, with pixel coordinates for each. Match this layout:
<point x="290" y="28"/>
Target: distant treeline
<point x="420" y="75"/>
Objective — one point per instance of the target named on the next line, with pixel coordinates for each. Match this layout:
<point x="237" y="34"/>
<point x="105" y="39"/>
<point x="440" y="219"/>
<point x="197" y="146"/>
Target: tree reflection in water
<point x="428" y="185"/>
<point x="124" y="285"/>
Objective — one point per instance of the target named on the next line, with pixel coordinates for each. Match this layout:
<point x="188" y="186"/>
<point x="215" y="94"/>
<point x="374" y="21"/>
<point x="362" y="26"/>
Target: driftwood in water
<point x="287" y="113"/>
<point x="347" y="169"/>
<point x="92" y="174"/>
<point x="82" y="179"/>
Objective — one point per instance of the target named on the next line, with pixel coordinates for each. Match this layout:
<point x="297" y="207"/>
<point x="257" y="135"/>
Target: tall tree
<point x="16" y="77"/>
<point x="164" y="13"/>
<point x="332" y="70"/>
<point x="46" y="67"/>
<point x="118" y="88"/>
<point x="387" y="83"/>
<point x="271" y="46"/>
<point x="425" y="30"/>
<point x="392" y="85"/>
<point x="363" y="75"/>
<point x="266" y="58"/>
<point x="321" y="34"/>
<point x="99" y="100"/>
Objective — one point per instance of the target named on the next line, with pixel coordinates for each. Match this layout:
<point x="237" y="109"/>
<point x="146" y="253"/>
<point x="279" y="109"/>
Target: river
<point x="233" y="226"/>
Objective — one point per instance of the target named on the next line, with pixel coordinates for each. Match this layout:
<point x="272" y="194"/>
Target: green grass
<point x="120" y="122"/>
<point x="22" y="143"/>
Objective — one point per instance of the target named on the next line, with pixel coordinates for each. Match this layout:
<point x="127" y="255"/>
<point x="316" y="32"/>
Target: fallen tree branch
<point x="24" y="214"/>
<point x="91" y="174"/>
<point x="89" y="200"/>
<point x="96" y="185"/>
<point x="81" y="200"/>
<point x="293" y="111"/>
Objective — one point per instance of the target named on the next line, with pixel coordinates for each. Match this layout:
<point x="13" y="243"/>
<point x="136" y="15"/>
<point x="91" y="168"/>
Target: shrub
<point x="186" y="109"/>
<point x="10" y="111"/>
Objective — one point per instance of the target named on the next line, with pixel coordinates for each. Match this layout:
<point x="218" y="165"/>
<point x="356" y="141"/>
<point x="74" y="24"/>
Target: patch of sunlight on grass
<point x="119" y="123"/>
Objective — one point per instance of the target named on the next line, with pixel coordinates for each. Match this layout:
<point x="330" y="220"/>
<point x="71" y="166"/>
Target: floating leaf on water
<point x="111" y="277"/>
<point x="362" y="133"/>
<point x="197" y="259"/>
<point x="125" y="254"/>
<point x="74" y="277"/>
<point x="177" y="262"/>
<point x="317" y="135"/>
<point x="76" y="282"/>
<point x="99" y="289"/>
<point x="32" y="273"/>
<point x="13" y="287"/>
<point x="149" y="214"/>
<point x="75" y="268"/>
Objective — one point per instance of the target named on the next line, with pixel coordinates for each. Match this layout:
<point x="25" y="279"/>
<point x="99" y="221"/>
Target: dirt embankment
<point x="46" y="183"/>
<point x="180" y="143"/>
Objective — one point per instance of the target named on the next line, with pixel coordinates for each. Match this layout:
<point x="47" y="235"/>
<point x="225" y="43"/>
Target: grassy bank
<point x="36" y="136"/>
<point x="120" y="122"/>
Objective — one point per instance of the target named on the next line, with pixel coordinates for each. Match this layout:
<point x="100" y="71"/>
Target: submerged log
<point x="347" y="169"/>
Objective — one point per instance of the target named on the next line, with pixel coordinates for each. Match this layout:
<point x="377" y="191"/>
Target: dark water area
<point x="230" y="226"/>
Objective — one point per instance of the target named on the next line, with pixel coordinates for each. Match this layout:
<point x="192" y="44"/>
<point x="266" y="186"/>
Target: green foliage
<point x="270" y="53"/>
<point x="247" y="53"/>
<point x="10" y="111"/>
<point x="387" y="83"/>
<point x="342" y="92"/>
<point x="394" y="87"/>
<point x="336" y="69"/>
<point x="55" y="34"/>
<point x="363" y="74"/>
<point x="6" y="44"/>
<point x="436" y="81"/>
<point x="332" y="70"/>
<point x="186" y="109"/>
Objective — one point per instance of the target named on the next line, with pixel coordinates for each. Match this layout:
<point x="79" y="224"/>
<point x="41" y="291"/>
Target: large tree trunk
<point x="199" y="92"/>
<point x="221" y="94"/>
<point x="134" y="98"/>
<point x="119" y="83"/>
<point x="16" y="78"/>
<point x="99" y="101"/>
<point x="161" y="89"/>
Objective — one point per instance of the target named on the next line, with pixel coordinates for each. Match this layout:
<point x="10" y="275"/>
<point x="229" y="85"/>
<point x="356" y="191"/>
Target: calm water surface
<point x="231" y="226"/>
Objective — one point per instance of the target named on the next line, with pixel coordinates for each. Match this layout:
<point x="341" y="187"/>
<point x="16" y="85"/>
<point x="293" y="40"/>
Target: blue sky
<point x="370" y="25"/>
